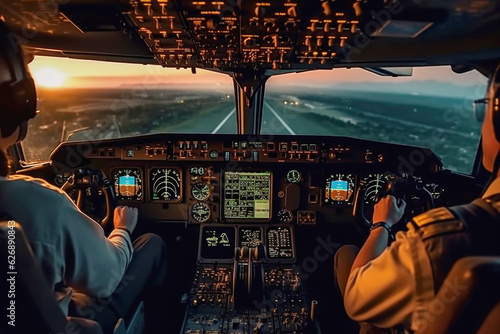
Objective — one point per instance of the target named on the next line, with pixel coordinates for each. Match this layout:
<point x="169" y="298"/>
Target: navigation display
<point x="339" y="189"/>
<point x="247" y="195"/>
<point x="279" y="242"/>
<point x="165" y="184"/>
<point x="217" y="242"/>
<point x="250" y="236"/>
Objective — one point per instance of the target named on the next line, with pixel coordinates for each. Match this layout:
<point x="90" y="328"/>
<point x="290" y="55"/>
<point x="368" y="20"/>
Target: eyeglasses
<point x="480" y="106"/>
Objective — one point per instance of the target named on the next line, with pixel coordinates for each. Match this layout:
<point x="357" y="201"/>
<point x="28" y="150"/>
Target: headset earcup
<point x="495" y="101"/>
<point x="17" y="98"/>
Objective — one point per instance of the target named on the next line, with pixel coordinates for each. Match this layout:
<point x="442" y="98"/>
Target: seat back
<point x="25" y="292"/>
<point x="469" y="299"/>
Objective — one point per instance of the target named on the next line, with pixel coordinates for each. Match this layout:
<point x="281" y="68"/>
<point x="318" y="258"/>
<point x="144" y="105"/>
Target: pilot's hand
<point x="125" y="218"/>
<point x="389" y="210"/>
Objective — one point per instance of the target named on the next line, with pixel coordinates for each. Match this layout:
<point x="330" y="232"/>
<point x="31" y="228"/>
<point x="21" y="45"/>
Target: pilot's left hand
<point x="389" y="210"/>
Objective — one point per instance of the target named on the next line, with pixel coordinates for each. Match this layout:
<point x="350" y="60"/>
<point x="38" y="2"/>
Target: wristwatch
<point x="384" y="225"/>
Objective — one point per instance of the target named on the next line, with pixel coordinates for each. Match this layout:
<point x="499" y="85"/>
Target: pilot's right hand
<point x="125" y="218"/>
<point x="389" y="210"/>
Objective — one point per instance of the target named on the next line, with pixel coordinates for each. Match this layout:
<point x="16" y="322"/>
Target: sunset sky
<point x="63" y="72"/>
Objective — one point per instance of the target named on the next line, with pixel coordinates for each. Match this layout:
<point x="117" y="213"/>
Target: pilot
<point x="93" y="276"/>
<point x="384" y="286"/>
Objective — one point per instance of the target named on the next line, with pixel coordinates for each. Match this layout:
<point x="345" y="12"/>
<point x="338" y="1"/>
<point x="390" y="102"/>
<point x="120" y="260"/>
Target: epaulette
<point x="436" y="222"/>
<point x="433" y="216"/>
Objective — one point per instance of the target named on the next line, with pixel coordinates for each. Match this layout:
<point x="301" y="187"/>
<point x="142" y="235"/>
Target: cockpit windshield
<point x="431" y="108"/>
<point x="99" y="100"/>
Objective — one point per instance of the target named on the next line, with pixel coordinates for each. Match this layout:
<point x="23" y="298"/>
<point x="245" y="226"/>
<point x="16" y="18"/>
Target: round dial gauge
<point x="213" y="154"/>
<point x="165" y="184"/>
<point x="127" y="183"/>
<point x="293" y="176"/>
<point x="200" y="212"/>
<point x="373" y="184"/>
<point x="284" y="216"/>
<point x="200" y="191"/>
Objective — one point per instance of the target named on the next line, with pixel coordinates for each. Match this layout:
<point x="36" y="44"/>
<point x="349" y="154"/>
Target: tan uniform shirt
<point x="396" y="287"/>
<point x="70" y="246"/>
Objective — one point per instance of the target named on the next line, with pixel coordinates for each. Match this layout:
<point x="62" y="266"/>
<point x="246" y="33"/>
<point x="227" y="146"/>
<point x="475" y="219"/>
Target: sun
<point x="49" y="77"/>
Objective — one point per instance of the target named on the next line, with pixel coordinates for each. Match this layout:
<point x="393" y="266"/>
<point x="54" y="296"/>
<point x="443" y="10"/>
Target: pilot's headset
<point x="17" y="89"/>
<point x="494" y="101"/>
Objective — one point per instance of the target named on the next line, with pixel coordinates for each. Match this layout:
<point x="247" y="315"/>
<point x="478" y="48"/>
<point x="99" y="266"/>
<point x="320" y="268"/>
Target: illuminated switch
<point x="255" y="156"/>
<point x="130" y="153"/>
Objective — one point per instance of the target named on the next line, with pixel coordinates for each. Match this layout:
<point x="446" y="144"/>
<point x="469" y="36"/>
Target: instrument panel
<point x="235" y="179"/>
<point x="252" y="204"/>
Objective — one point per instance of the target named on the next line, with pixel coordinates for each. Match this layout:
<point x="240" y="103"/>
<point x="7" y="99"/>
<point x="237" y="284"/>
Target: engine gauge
<point x="127" y="183"/>
<point x="293" y="176"/>
<point x="165" y="184"/>
<point x="197" y="171"/>
<point x="200" y="212"/>
<point x="340" y="189"/>
<point x="200" y="191"/>
<point x="373" y="184"/>
<point x="285" y="216"/>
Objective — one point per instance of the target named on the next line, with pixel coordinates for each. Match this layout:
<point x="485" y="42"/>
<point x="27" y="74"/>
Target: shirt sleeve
<point x="70" y="246"/>
<point x="382" y="292"/>
<point x="95" y="264"/>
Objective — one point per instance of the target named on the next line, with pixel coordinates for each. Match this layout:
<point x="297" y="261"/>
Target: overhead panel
<point x="230" y="34"/>
<point x="164" y="31"/>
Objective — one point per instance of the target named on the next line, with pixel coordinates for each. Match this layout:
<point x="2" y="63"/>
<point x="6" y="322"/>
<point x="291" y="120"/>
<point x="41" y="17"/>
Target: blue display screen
<point x="339" y="185"/>
<point x="126" y="180"/>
